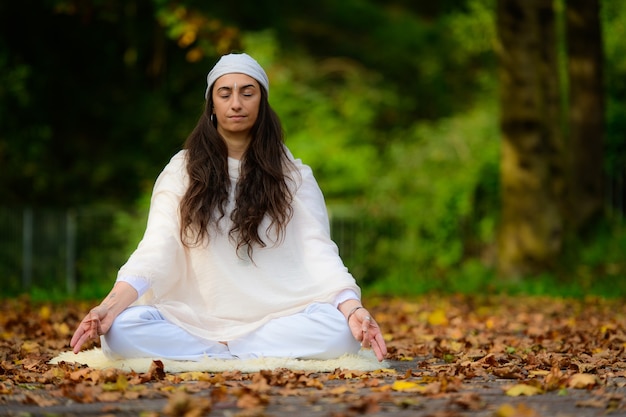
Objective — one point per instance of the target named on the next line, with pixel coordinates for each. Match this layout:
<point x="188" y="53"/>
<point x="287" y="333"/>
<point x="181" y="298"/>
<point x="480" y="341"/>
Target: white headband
<point x="237" y="63"/>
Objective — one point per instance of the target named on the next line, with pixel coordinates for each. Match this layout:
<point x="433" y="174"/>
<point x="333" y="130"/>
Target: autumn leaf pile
<point x="439" y="347"/>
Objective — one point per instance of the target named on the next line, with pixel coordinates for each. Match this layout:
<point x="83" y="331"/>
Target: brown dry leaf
<point x="592" y="403"/>
<point x="155" y="373"/>
<point x="470" y="401"/>
<point x="367" y="404"/>
<point x="580" y="381"/>
<point x="339" y="390"/>
<point x="249" y="400"/>
<point x="185" y="405"/>
<point x="259" y="383"/>
<point x="509" y="372"/>
<point x="519" y="410"/>
<point x="81" y="393"/>
<point x="110" y="396"/>
<point x="456" y="342"/>
<point x="314" y="383"/>
<point x="39" y="400"/>
<point x="80" y="374"/>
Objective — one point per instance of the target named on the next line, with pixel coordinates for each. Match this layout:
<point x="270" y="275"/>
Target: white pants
<point x="318" y="332"/>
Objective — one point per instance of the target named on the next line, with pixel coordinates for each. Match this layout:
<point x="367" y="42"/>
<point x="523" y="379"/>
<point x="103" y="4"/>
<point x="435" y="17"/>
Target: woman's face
<point x="236" y="101"/>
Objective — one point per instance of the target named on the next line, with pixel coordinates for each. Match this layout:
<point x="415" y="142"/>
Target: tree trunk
<point x="530" y="234"/>
<point x="586" y="112"/>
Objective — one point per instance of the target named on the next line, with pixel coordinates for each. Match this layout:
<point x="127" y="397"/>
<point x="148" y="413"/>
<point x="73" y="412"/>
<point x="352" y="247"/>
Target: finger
<point x="378" y="345"/>
<point x="380" y="341"/>
<point x="94" y="333"/>
<point x="366" y="343"/>
<point x="376" y="349"/>
<point x="365" y="325"/>
<point x="83" y="328"/>
<point x="75" y="339"/>
<point x="80" y="342"/>
<point x="77" y="334"/>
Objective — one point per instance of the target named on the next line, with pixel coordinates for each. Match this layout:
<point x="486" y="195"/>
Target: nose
<point x="236" y="102"/>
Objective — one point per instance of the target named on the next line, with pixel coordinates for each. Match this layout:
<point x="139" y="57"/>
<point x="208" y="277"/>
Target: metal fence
<point x="56" y="250"/>
<point x="62" y="251"/>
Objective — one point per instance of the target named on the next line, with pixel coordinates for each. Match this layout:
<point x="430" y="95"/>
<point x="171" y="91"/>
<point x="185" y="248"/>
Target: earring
<point x="212" y="118"/>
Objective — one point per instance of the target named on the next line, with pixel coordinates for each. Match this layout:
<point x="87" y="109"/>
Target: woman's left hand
<point x="365" y="329"/>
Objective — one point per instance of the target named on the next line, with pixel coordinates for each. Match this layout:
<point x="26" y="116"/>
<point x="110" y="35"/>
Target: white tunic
<point x="213" y="293"/>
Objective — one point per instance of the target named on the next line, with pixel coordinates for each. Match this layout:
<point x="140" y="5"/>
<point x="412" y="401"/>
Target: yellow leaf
<point x="456" y="346"/>
<point x="407" y="386"/>
<point x="195" y="376"/>
<point x="437" y="318"/>
<point x="29" y="347"/>
<point x="539" y="372"/>
<point x="522" y="389"/>
<point x="521" y="410"/>
<point x="121" y="384"/>
<point x="62" y="329"/>
<point x="609" y="326"/>
<point x="505" y="410"/>
<point x="582" y="381"/>
<point x="45" y="312"/>
<point x="489" y="323"/>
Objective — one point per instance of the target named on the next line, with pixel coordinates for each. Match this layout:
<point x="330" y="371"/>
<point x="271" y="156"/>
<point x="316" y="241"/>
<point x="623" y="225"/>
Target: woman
<point x="236" y="260"/>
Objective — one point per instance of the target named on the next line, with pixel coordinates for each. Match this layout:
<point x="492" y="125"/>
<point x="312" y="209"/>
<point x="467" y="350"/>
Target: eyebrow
<point x="229" y="88"/>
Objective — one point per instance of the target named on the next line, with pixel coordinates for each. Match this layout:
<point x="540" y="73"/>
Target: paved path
<point x="473" y="398"/>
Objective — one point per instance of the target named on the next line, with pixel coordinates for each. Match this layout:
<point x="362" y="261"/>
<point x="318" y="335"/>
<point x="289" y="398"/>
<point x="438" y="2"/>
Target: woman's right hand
<point x="100" y="318"/>
<point x="96" y="323"/>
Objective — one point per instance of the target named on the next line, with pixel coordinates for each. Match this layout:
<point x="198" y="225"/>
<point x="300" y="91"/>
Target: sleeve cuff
<point x="140" y="284"/>
<point x="345" y="295"/>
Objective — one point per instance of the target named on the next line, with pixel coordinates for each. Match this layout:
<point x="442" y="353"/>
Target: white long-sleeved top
<point x="217" y="294"/>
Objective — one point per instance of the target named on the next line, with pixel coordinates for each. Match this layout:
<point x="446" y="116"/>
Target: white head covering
<point x="237" y="63"/>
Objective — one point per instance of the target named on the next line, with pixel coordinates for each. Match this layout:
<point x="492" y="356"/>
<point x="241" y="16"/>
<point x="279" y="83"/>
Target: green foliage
<point x="614" y="31"/>
<point x="440" y="189"/>
<point x="398" y="122"/>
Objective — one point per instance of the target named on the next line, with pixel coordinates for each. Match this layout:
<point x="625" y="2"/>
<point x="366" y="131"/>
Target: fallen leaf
<point x="580" y="381"/>
<point x="592" y="403"/>
<point x="437" y="318"/>
<point x="522" y="389"/>
<point x="183" y="404"/>
<point x="408" y="386"/>
<point x="29" y="346"/>
<point x="39" y="400"/>
<point x="519" y="410"/>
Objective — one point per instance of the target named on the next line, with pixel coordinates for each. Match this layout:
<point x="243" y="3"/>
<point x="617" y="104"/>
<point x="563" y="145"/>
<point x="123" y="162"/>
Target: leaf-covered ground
<point x="449" y="356"/>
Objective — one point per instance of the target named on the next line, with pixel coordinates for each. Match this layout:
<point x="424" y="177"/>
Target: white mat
<point x="94" y="358"/>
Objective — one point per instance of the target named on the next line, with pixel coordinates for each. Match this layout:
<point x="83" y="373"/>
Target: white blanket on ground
<point x="94" y="358"/>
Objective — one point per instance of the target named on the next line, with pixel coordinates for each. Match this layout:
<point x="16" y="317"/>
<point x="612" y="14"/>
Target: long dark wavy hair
<point x="263" y="188"/>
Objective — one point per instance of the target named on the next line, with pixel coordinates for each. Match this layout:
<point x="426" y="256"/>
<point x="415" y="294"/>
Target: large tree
<point x="531" y="228"/>
<point x="586" y="112"/>
<point x="551" y="183"/>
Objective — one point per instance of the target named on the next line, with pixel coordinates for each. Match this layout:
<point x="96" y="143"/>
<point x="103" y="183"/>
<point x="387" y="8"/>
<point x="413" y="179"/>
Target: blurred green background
<point x="394" y="104"/>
